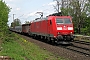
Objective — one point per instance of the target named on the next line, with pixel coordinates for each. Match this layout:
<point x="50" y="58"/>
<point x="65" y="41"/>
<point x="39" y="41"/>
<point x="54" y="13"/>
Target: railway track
<point x="81" y="48"/>
<point x="62" y="50"/>
<point x="78" y="50"/>
<point x="81" y="42"/>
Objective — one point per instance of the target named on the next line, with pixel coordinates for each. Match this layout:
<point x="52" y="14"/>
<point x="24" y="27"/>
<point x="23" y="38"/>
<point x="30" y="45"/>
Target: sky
<point x="25" y="10"/>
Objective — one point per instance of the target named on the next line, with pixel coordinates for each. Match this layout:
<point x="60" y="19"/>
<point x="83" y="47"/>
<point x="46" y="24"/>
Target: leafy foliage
<point x="79" y="10"/>
<point x="16" y="22"/>
<point x="27" y="22"/>
<point x="4" y="11"/>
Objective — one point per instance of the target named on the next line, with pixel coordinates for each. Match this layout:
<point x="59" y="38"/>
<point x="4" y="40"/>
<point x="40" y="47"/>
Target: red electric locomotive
<point x="53" y="28"/>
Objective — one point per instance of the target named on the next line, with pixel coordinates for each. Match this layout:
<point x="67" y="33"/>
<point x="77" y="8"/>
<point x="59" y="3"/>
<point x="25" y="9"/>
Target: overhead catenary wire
<point x="47" y="9"/>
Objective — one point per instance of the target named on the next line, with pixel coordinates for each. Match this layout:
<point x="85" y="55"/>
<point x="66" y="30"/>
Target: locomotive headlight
<point x="71" y="32"/>
<point x="58" y="33"/>
<point x="59" y="28"/>
<point x="70" y="28"/>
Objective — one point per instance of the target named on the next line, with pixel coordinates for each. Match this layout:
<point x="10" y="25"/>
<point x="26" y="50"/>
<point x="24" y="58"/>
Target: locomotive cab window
<point x="59" y="21"/>
<point x="67" y="20"/>
<point x="63" y="21"/>
<point x="50" y="22"/>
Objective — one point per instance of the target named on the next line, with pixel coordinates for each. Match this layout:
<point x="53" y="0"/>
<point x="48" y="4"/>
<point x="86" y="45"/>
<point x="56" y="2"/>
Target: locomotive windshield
<point x="63" y="21"/>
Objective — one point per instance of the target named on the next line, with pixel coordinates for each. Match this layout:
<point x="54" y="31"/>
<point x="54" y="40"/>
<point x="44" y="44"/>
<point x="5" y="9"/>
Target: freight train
<point x="54" y="28"/>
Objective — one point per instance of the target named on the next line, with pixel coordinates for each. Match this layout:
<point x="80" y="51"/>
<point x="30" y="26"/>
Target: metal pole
<point x="13" y="17"/>
<point x="13" y="21"/>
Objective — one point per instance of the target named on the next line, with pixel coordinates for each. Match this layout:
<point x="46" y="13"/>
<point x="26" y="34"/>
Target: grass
<point x="20" y="49"/>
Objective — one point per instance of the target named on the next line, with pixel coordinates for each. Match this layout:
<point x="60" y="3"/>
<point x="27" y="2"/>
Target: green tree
<point x="27" y="22"/>
<point x="4" y="11"/>
<point x="16" y="22"/>
<point x="78" y="10"/>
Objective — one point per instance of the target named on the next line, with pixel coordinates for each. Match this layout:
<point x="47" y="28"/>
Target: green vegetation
<point x="16" y="22"/>
<point x="20" y="49"/>
<point x="80" y="12"/>
<point x="4" y="11"/>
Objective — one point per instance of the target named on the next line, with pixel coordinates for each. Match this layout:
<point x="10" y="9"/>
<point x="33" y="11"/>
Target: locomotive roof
<point x="56" y="14"/>
<point x="39" y="19"/>
<point x="46" y="18"/>
<point x="26" y="24"/>
<point x="51" y="15"/>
